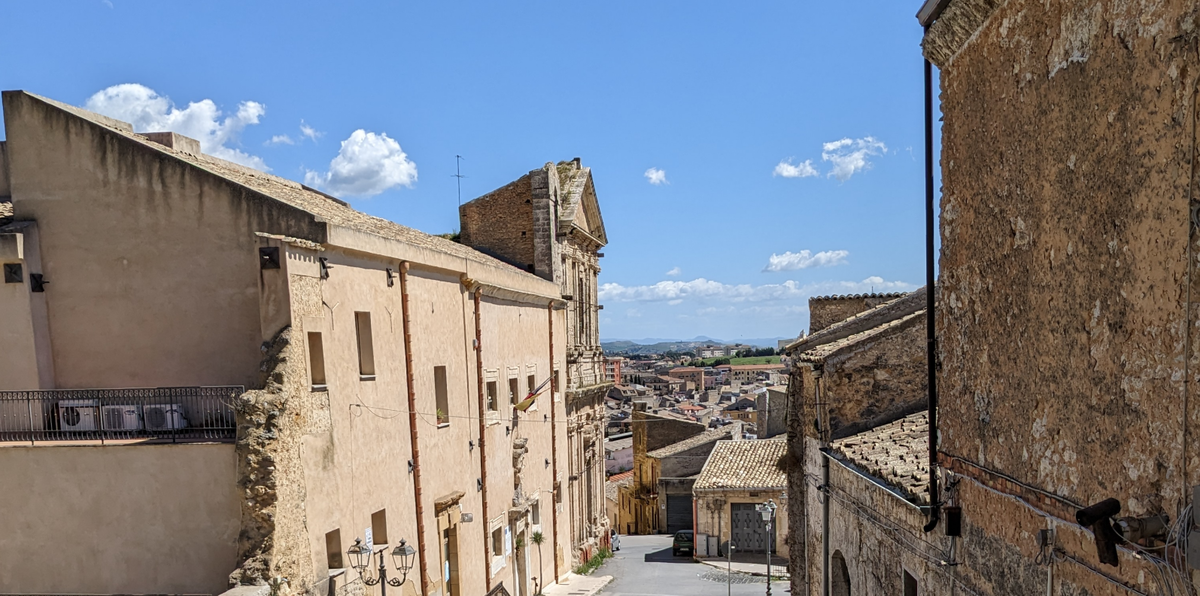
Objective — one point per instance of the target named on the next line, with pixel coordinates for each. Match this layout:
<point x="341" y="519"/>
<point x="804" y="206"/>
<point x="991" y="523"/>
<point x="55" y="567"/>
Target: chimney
<point x="577" y="164"/>
<point x="175" y="141"/>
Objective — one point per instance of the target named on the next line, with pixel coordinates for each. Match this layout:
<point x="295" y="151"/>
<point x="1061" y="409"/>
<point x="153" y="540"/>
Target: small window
<point x="554" y="383"/>
<point x="491" y="396"/>
<point x="333" y="549"/>
<point x="910" y="584"/>
<point x="316" y="360"/>
<point x="531" y="382"/>
<point x="443" y="399"/>
<point x="513" y="388"/>
<point x="535" y="512"/>
<point x="498" y="542"/>
<point x="366" y="351"/>
<point x="379" y="527"/>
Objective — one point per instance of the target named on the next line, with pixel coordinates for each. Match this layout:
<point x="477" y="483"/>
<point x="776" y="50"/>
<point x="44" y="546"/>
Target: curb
<point x="720" y="564"/>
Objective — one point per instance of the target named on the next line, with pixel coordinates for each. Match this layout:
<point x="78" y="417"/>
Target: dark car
<point x="683" y="542"/>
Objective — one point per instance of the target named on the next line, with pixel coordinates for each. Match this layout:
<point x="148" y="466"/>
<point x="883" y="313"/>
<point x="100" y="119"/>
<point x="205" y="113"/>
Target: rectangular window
<point x="513" y="388"/>
<point x="316" y="360"/>
<point x="531" y="382"/>
<point x="554" y="382"/>
<point x="498" y="542"/>
<point x="379" y="527"/>
<point x="440" y="391"/>
<point x="333" y="549"/>
<point x="910" y="584"/>
<point x="366" y="350"/>
<point x="535" y="512"/>
<point x="492" y="390"/>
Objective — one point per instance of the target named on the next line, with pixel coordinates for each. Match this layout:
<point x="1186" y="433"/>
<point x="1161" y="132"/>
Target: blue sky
<point x="684" y="111"/>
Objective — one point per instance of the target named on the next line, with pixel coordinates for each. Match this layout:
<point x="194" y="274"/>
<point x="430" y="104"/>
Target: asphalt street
<point x="645" y="567"/>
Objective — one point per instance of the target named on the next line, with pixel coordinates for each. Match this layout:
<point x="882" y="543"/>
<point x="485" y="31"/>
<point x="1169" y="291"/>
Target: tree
<point x="537" y="538"/>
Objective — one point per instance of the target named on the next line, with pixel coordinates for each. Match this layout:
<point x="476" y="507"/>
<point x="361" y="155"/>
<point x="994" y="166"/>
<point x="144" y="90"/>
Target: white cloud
<point x="674" y="271"/>
<point x="787" y="169"/>
<point x="849" y="156"/>
<point x="656" y="176"/>
<point x="675" y="301"/>
<point x="366" y="165"/>
<point x="791" y="261"/>
<point x="705" y="289"/>
<point x="280" y="140"/>
<point x="148" y="111"/>
<point x="310" y="132"/>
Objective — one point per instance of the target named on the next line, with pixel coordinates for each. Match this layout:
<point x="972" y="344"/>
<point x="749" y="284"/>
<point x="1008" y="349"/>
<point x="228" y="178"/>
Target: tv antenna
<point x="458" y="174"/>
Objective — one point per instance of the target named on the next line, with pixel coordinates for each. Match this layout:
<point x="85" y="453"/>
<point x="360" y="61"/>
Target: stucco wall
<point x="1064" y="269"/>
<point x="118" y="519"/>
<point x="152" y="264"/>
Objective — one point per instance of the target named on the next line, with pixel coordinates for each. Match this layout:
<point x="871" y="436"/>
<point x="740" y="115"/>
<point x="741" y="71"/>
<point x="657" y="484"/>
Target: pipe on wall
<point x="930" y="294"/>
<point x="487" y="554"/>
<point x="821" y="421"/>
<point x="412" y="426"/>
<point x="554" y="388"/>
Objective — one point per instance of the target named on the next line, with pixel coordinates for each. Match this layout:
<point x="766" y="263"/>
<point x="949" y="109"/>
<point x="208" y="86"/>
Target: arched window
<point x="839" y="576"/>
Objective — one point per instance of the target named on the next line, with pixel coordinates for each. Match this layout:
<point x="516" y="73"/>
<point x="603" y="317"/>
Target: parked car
<point x="616" y="540"/>
<point x="683" y="542"/>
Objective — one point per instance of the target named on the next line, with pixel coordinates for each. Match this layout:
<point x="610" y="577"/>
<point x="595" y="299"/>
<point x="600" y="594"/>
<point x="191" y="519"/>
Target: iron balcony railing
<point x="164" y="413"/>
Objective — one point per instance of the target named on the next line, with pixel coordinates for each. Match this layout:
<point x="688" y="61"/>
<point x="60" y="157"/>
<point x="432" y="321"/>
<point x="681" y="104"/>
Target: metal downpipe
<point x="930" y="294"/>
<point x="487" y="554"/>
<point x="412" y="427"/>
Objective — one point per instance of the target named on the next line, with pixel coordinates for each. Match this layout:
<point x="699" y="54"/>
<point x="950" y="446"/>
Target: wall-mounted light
<point x="411" y="466"/>
<point x="479" y="485"/>
<point x="324" y="262"/>
<point x="471" y="445"/>
<point x="37" y="283"/>
<point x="547" y="462"/>
<point x="391" y="277"/>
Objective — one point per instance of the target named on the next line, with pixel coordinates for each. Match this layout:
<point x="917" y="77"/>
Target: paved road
<point x="644" y="567"/>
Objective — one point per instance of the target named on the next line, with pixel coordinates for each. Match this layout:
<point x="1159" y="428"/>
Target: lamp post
<point x="402" y="558"/>
<point x="768" y="514"/>
<point x="729" y="570"/>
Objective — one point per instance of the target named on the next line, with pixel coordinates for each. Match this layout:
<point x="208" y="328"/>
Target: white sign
<point x="507" y="541"/>
<point x="370" y="541"/>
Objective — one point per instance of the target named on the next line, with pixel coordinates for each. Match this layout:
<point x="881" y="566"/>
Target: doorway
<point x="748" y="530"/>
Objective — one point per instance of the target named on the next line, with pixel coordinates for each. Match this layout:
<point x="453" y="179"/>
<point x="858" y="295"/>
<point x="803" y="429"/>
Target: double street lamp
<point x="768" y="514"/>
<point x="402" y="558"/>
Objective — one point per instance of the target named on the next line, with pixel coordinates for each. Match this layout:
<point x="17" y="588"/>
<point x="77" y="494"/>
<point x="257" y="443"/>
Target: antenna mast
<point x="458" y="174"/>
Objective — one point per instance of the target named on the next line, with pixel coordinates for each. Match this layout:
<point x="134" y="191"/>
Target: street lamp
<point x="402" y="558"/>
<point x="768" y="514"/>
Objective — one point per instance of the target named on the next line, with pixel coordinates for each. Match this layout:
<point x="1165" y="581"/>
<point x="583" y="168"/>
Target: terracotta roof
<point x="905" y="305"/>
<point x="757" y="366"/>
<point x="853" y="296"/>
<point x="819" y="354"/>
<point x="612" y="487"/>
<point x="744" y="465"/>
<point x="896" y="453"/>
<point x="321" y="205"/>
<point x="692" y="442"/>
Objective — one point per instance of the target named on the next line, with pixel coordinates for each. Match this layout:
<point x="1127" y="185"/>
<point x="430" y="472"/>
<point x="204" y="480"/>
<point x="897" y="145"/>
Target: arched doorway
<point x="839" y="576"/>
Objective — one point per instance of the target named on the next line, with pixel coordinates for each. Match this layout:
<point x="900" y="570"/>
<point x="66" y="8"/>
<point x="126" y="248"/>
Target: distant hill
<point x="660" y="345"/>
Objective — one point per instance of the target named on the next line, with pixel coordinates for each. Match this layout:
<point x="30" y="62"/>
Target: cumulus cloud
<point x="849" y="156"/>
<point x="792" y="261"/>
<point x="310" y="132"/>
<point x="280" y="140"/>
<point x="787" y="169"/>
<point x="366" y="165"/>
<point x="674" y="271"/>
<point x="656" y="176"/>
<point x="148" y="111"/>
<point x="705" y="289"/>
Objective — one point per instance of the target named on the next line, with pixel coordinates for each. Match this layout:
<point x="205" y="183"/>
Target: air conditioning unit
<point x="78" y="414"/>
<point x="121" y="417"/>
<point x="164" y="417"/>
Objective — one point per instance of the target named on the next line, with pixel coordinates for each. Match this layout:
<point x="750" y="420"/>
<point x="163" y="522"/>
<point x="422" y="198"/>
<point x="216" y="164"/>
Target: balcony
<point x="162" y="414"/>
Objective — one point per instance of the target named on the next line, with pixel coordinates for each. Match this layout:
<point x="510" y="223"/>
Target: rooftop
<point x="618" y="444"/>
<point x="692" y="442"/>
<point x="744" y="465"/>
<point x="612" y="487"/>
<point x="896" y="453"/>
<point x="900" y="307"/>
<point x="820" y="353"/>
<point x="887" y="295"/>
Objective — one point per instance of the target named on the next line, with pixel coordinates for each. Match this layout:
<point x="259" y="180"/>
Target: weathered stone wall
<point x="824" y="311"/>
<point x="878" y="381"/>
<point x="500" y="224"/>
<point x="1064" y="270"/>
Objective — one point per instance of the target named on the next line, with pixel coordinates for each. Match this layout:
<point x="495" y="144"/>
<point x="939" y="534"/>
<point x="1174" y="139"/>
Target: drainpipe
<point x="930" y="293"/>
<point x="487" y="554"/>
<point x="412" y="426"/>
<point x="553" y="442"/>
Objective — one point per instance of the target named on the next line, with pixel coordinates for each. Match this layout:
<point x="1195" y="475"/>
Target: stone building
<point x="319" y="375"/>
<point x="737" y="477"/>
<point x="827" y="310"/>
<point x="548" y="223"/>
<point x="858" y="393"/>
